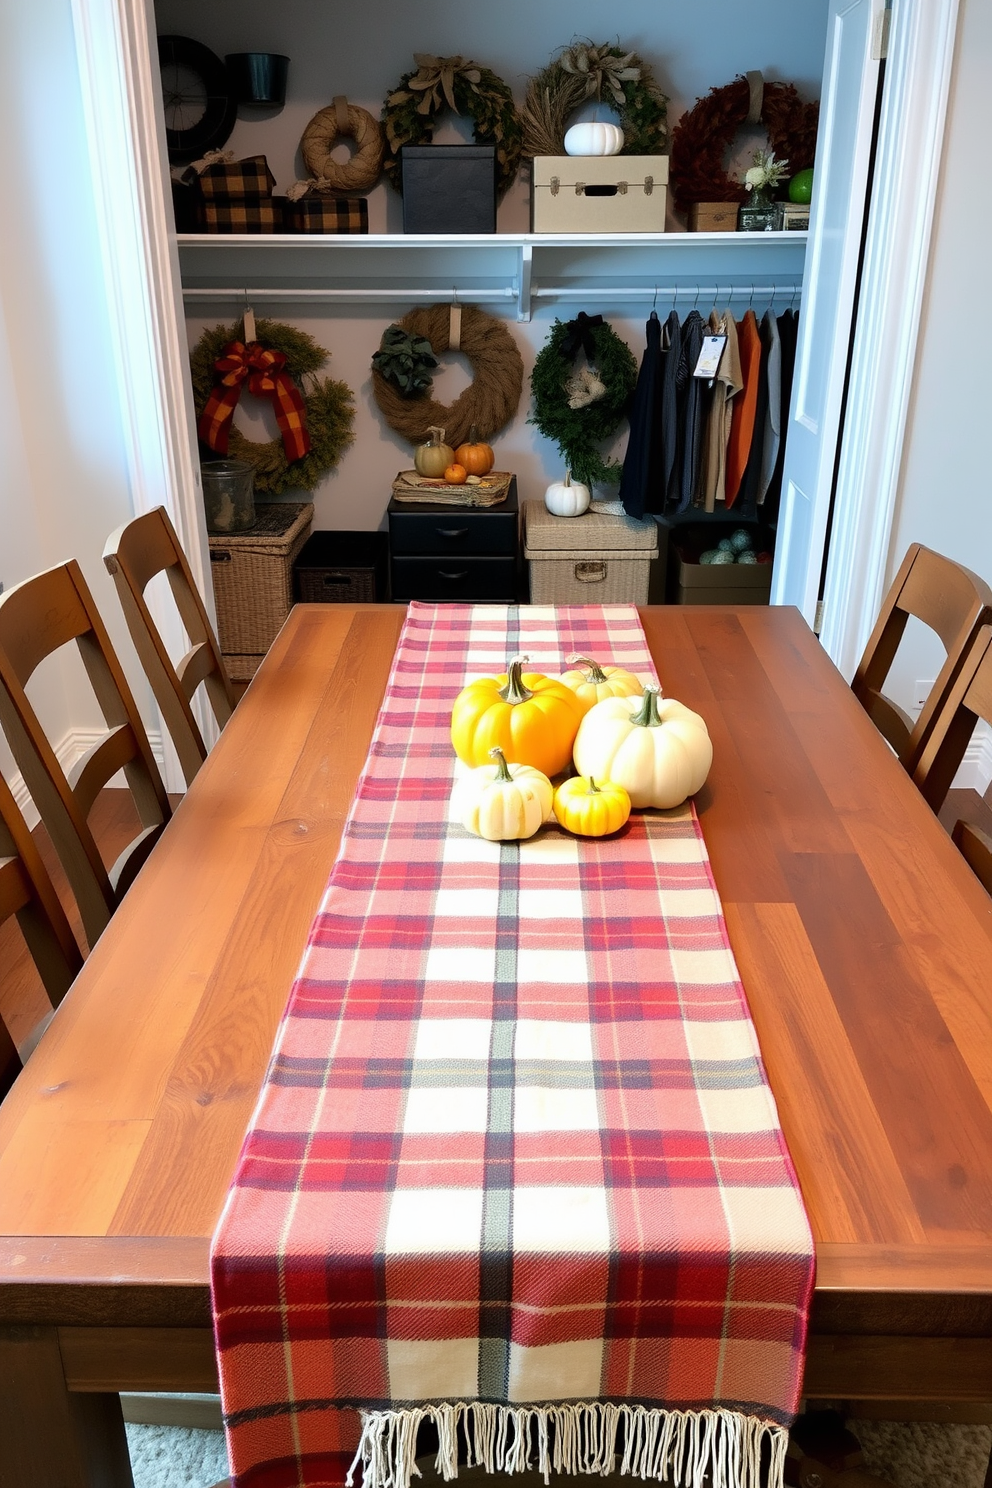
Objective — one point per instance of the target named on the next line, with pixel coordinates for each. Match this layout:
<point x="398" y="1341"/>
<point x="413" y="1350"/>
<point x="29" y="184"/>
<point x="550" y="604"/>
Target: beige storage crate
<point x="253" y="582"/>
<point x="599" y="193"/>
<point x="592" y="559"/>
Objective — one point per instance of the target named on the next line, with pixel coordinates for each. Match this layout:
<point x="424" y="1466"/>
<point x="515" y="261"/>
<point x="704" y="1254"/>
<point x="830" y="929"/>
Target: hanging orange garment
<point x="745" y="406"/>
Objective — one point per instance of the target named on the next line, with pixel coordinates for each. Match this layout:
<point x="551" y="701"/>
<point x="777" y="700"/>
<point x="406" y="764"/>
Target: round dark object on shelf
<point x="200" y="108"/>
<point x="258" y="79"/>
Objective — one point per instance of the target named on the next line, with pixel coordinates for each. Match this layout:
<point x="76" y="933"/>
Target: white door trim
<point x="907" y="170"/>
<point x="121" y="92"/>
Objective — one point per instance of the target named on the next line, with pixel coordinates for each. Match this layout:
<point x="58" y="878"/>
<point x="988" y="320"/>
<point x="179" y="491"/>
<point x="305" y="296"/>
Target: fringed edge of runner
<point x="689" y="1449"/>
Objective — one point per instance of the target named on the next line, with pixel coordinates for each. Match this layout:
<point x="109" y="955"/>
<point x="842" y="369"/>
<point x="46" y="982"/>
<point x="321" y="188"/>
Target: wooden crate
<point x="713" y="217"/>
<point x="599" y="193"/>
<point x="253" y="581"/>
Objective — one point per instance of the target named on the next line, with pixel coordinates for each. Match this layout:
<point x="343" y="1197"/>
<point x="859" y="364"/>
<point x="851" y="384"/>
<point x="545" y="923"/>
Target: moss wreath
<point x="329" y="407"/>
<point x="490" y="400"/>
<point x="578" y="431"/>
<point x="607" y="73"/>
<point x="704" y="134"/>
<point x="410" y="112"/>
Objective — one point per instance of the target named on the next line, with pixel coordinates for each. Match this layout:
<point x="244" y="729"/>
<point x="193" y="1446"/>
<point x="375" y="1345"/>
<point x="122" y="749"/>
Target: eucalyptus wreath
<point x="578" y="431"/>
<point x="329" y="408"/>
<point x="608" y="74"/>
<point x="411" y="110"/>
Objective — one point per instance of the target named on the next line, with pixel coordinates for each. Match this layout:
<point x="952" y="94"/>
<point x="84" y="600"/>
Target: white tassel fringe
<point x="677" y="1447"/>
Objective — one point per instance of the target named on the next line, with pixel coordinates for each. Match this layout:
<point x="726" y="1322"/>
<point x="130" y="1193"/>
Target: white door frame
<point x="122" y="101"/>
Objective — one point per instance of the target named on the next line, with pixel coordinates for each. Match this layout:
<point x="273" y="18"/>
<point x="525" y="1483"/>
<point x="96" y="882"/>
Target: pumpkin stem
<point x="593" y="788"/>
<point x="502" y="773"/>
<point x="435" y="430"/>
<point x="647" y="715"/>
<point x="473" y="434"/>
<point x="596" y="673"/>
<point x="515" y="692"/>
<point x="568" y="478"/>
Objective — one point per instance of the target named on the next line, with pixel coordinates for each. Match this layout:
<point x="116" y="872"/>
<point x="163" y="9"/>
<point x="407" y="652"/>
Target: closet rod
<point x="664" y="292"/>
<point x="443" y="296"/>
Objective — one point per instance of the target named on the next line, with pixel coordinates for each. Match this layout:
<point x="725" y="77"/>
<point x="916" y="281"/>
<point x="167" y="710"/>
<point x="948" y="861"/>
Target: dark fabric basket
<point x="342" y="568"/>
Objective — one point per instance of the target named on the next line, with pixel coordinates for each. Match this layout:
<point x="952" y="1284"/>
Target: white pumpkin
<point x="567" y="498"/>
<point x="594" y="138"/>
<point x="504" y="803"/>
<point x="656" y="748"/>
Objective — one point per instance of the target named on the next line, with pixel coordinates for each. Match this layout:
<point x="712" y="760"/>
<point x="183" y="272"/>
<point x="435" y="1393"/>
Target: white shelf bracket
<point x="524" y="281"/>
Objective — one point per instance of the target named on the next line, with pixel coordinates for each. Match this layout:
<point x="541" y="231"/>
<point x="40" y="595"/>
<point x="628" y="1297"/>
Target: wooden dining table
<point x="863" y="941"/>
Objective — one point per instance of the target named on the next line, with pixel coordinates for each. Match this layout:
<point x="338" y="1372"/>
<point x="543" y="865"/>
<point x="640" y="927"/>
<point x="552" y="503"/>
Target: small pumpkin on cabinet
<point x="655" y="747"/>
<point x="504" y="802"/>
<point x="455" y="475"/>
<point x="567" y="498"/>
<point x="476" y="456"/>
<point x="432" y="458"/>
<point x="593" y="138"/>
<point x="531" y="717"/>
<point x="597" y="682"/>
<point x="590" y="810"/>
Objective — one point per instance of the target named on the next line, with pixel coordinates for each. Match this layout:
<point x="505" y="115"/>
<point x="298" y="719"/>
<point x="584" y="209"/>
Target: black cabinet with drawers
<point x="459" y="553"/>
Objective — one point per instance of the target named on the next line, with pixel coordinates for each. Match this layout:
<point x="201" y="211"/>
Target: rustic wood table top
<point x="864" y="943"/>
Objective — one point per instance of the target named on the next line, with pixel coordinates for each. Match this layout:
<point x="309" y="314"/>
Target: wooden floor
<point x="115" y="822"/>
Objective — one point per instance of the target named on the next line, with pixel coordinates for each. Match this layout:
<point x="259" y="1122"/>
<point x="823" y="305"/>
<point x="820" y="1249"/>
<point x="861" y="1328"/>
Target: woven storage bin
<point x="253" y="581"/>
<point x="342" y="568"/>
<point x="592" y="559"/>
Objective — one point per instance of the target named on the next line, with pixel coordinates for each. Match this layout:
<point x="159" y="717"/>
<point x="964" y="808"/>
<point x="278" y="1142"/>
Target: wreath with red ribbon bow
<point x="314" y="418"/>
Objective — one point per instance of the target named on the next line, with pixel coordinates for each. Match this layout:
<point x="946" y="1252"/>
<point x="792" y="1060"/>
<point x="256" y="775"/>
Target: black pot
<point x="258" y="79"/>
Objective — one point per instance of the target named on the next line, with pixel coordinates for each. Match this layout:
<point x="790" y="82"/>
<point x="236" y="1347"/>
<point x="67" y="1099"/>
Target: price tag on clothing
<point x="708" y="364"/>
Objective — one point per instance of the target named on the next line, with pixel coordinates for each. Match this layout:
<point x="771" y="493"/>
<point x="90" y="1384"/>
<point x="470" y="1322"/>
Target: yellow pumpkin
<point x="531" y="717"/>
<point x="433" y="458"/>
<point x="590" y="810"/>
<point x="475" y="455"/>
<point x="656" y="748"/>
<point x="503" y="803"/>
<point x="598" y="682"/>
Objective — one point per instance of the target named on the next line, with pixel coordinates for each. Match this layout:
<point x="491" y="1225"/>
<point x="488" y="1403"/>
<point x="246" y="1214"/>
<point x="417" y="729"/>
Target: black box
<point x="342" y="568"/>
<point x="449" y="188"/>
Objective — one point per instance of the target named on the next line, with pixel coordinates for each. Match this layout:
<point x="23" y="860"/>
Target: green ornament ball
<point x="740" y="540"/>
<point x="801" y="187"/>
<point x="723" y="555"/>
<point x="708" y="556"/>
<point x="747" y="557"/>
<point x="725" y="545"/>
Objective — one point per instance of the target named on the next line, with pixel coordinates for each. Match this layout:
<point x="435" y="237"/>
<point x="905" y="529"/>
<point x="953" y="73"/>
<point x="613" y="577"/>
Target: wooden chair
<point x="969" y="700"/>
<point x="36" y="619"/>
<point x="953" y="602"/>
<point x="26" y="892"/>
<point x="134" y="554"/>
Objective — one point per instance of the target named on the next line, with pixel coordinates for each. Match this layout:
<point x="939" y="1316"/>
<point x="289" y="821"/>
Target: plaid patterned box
<point x="516" y="1169"/>
<point x="328" y="214"/>
<point x="263" y="216"/>
<point x="238" y="181"/>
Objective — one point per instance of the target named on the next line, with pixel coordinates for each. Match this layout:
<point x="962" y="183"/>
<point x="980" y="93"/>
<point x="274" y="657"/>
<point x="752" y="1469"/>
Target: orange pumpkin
<point x="476" y="456"/>
<point x="455" y="475"/>
<point x="531" y="717"/>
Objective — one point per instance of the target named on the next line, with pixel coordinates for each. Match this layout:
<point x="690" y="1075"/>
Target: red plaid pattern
<point x="262" y="369"/>
<point x="516" y="1144"/>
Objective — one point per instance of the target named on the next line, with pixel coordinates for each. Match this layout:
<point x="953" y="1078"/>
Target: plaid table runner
<point x="515" y="1169"/>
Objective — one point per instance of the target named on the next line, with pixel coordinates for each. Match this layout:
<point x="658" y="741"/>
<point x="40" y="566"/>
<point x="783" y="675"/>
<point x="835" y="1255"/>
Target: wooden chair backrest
<point x="953" y="602"/>
<point x="969" y="699"/>
<point x="26" y="892"/>
<point x="976" y="849"/>
<point x="37" y="618"/>
<point x="134" y="554"/>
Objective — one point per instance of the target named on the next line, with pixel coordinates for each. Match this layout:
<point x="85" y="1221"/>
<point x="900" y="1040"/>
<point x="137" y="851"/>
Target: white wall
<point x="363" y="50"/>
<point x="945" y="498"/>
<point x="63" y="481"/>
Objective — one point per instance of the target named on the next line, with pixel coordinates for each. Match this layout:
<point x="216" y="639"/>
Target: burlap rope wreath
<point x="489" y="402"/>
<point x="344" y="120"/>
<point x="704" y="134"/>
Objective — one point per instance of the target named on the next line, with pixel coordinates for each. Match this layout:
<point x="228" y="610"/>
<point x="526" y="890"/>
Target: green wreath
<point x="578" y="431"/>
<point x="608" y="74"/>
<point x="329" y="407"/>
<point x="410" y="112"/>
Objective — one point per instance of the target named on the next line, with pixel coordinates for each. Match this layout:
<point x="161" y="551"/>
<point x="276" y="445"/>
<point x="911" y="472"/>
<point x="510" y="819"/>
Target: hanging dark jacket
<point x="641" y="484"/>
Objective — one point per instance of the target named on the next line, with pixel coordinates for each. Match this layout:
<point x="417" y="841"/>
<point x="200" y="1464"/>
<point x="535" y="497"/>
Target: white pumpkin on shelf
<point x="567" y="498"/>
<point x="593" y="138"/>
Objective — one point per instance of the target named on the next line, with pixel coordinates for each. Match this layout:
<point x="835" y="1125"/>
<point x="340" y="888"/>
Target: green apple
<point x="801" y="187"/>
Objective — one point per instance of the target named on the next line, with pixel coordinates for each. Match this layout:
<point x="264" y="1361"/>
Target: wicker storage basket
<point x="592" y="559"/>
<point x="253" y="582"/>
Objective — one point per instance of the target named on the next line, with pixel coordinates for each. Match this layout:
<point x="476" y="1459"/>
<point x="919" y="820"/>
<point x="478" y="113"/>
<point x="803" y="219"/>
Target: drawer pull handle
<point x="220" y="557"/>
<point x="337" y="578"/>
<point x="451" y="531"/>
<point x="590" y="573"/>
<point x="443" y="575"/>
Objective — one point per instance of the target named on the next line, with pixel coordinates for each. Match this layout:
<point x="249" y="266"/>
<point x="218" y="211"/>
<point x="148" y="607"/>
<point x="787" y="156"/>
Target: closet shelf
<point x="610" y="269"/>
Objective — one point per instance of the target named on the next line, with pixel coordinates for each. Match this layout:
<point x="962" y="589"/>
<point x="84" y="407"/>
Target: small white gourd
<point x="656" y="748"/>
<point x="594" y="138"/>
<point x="504" y="803"/>
<point x="567" y="498"/>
